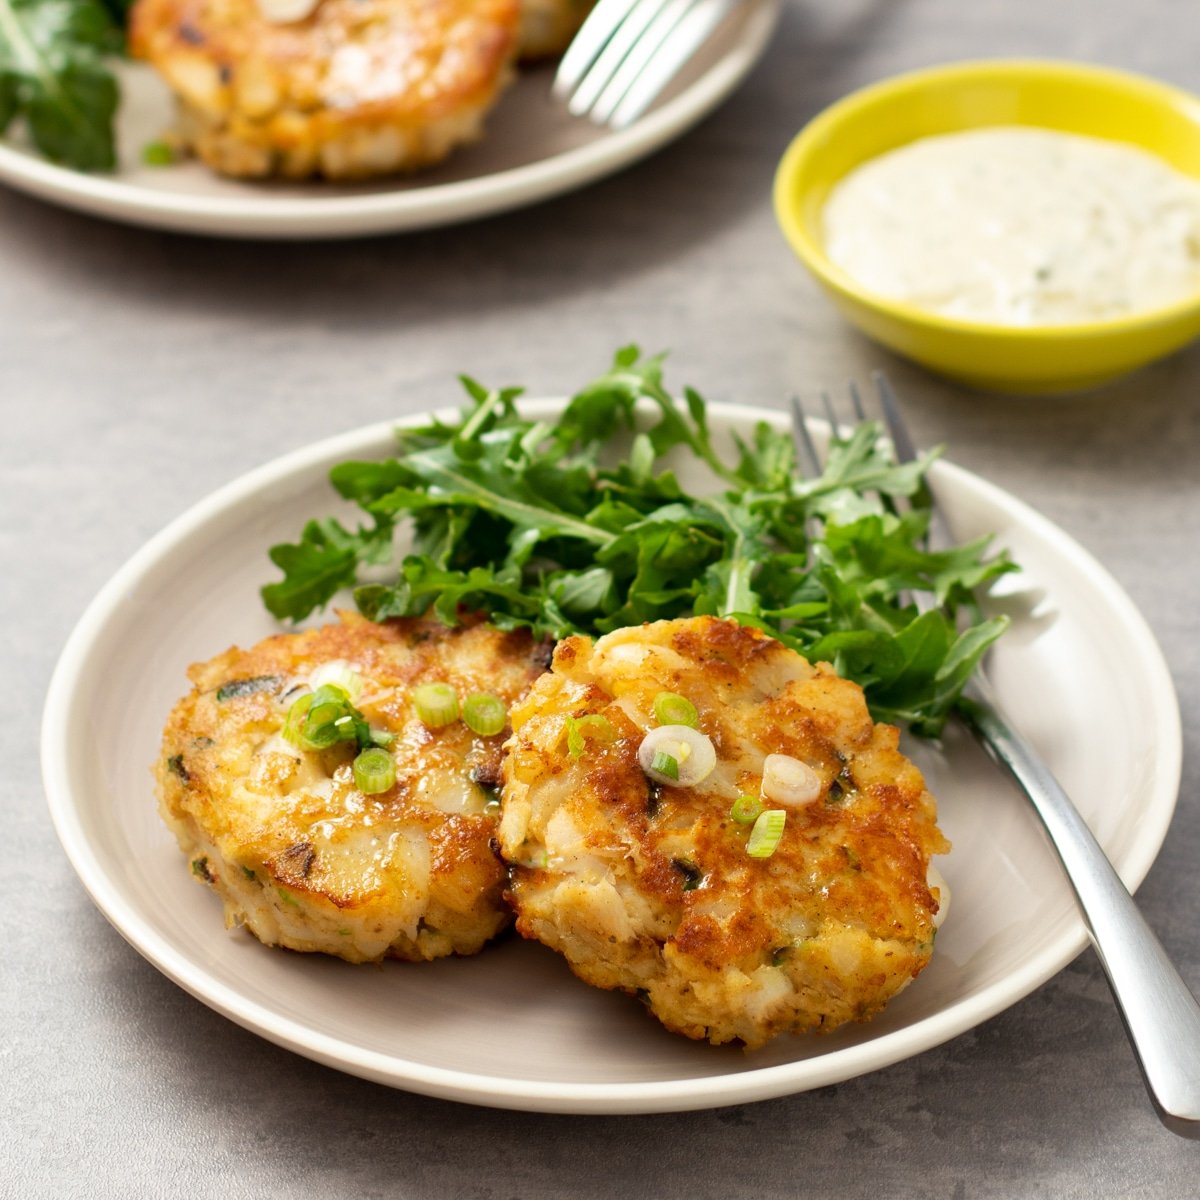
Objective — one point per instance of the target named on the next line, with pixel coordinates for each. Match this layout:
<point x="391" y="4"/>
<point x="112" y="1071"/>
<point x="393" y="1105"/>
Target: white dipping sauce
<point x="1018" y="225"/>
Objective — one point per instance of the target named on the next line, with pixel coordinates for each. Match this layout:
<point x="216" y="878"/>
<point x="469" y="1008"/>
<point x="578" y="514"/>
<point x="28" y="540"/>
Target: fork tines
<point x="628" y="51"/>
<point x="806" y="449"/>
<point x="889" y="408"/>
<point x="902" y="443"/>
<point x="904" y="448"/>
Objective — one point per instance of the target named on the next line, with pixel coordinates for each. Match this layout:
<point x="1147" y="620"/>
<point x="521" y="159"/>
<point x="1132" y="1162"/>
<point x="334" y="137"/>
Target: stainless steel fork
<point x="628" y="51"/>
<point x="1160" y="1014"/>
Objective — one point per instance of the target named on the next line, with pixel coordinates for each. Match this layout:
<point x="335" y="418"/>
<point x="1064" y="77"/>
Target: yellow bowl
<point x="1067" y="96"/>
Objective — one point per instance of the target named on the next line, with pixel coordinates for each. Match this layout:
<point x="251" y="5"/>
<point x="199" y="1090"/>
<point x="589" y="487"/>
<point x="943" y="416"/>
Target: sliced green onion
<point x="484" y="714"/>
<point x="320" y="729"/>
<point x="665" y="764"/>
<point x="593" y="725"/>
<point x="767" y="831"/>
<point x="575" y="743"/>
<point x="436" y="704"/>
<point x="159" y="154"/>
<point x="746" y="809"/>
<point x="374" y="771"/>
<point x="294" y="722"/>
<point x="693" y="753"/>
<point x="381" y="737"/>
<point x="339" y="673"/>
<point x="317" y="720"/>
<point x="790" y="781"/>
<point x="672" y="709"/>
<point x="599" y="725"/>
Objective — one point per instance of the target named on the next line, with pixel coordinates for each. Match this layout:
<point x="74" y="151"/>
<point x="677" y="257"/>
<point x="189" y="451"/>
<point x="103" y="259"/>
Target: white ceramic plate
<point x="512" y="1027"/>
<point x="533" y="149"/>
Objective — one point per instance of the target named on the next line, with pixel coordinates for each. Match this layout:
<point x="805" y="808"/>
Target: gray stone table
<point x="139" y="371"/>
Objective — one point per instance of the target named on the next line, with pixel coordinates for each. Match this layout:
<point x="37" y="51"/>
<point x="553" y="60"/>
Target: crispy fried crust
<point x="358" y="88"/>
<point x="650" y="889"/>
<point x="294" y="850"/>
<point x="547" y="26"/>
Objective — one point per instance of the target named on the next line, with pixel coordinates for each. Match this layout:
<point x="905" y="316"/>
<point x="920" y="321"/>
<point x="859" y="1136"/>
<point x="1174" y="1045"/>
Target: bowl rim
<point x="809" y="249"/>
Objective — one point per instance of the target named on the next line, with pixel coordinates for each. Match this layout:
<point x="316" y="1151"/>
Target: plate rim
<point x="556" y="1096"/>
<point x="290" y="217"/>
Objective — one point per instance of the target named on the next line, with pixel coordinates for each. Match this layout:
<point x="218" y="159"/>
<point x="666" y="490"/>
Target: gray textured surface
<point x="138" y="371"/>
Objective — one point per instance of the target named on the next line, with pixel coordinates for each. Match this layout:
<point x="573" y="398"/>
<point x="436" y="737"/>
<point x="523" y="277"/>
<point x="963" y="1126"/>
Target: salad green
<point x="54" y="77"/>
<point x="543" y="525"/>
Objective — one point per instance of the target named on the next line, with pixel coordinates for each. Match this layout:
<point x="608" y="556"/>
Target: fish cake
<point x="649" y="887"/>
<point x="296" y="852"/>
<point x="547" y="26"/>
<point x="348" y="90"/>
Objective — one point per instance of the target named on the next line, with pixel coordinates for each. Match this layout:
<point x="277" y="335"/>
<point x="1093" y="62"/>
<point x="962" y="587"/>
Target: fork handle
<point x="1161" y="1015"/>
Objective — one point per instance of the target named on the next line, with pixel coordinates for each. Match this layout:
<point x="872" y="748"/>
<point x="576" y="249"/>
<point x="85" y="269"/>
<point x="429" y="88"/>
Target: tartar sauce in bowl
<point x="1018" y="225"/>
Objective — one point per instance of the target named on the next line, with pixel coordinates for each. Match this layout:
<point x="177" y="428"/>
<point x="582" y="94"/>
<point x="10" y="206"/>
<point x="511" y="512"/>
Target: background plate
<point x="512" y="1027"/>
<point x="532" y="150"/>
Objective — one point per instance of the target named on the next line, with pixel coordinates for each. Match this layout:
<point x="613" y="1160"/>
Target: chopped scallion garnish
<point x="436" y="704"/>
<point x="672" y="709"/>
<point x="484" y="714"/>
<point x="746" y="809"/>
<point x="665" y="764"/>
<point x="374" y="771"/>
<point x="295" y="718"/>
<point x="766" y="834"/>
<point x="592" y="725"/>
<point x="575" y="743"/>
<point x="159" y="154"/>
<point x="320" y="719"/>
<point x="690" y="754"/>
<point x="341" y="674"/>
<point x="321" y="726"/>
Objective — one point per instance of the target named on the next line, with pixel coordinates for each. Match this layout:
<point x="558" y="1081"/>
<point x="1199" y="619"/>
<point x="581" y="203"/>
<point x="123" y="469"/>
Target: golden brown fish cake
<point x="547" y="26"/>
<point x="650" y="888"/>
<point x="296" y="852"/>
<point x="357" y="88"/>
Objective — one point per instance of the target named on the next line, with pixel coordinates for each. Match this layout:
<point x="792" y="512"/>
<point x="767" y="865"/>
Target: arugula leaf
<point x="321" y="564"/>
<point x="423" y="586"/>
<point x="535" y="524"/>
<point x="53" y="77"/>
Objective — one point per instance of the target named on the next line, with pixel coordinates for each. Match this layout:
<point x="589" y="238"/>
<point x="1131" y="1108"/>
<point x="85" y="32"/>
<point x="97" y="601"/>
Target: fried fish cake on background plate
<point x="350" y="89"/>
<point x="547" y="26"/>
<point x="296" y="851"/>
<point x="651" y="888"/>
